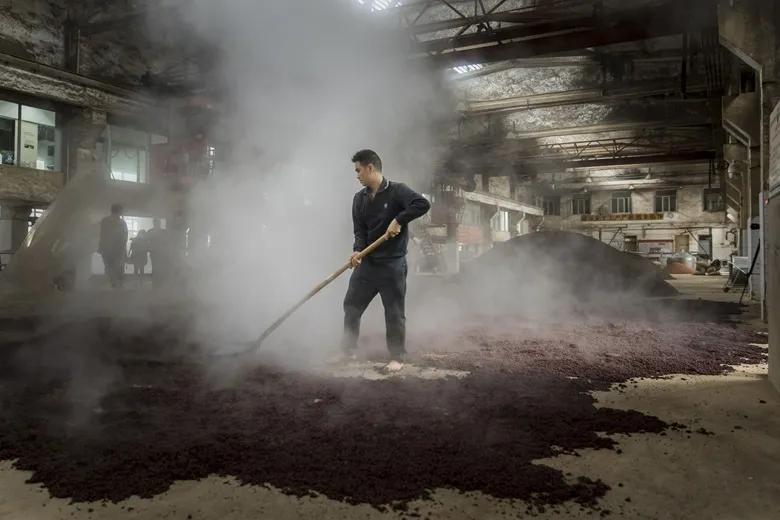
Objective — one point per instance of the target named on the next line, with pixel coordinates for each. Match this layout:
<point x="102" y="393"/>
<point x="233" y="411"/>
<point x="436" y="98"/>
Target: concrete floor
<point x="731" y="474"/>
<point x="706" y="287"/>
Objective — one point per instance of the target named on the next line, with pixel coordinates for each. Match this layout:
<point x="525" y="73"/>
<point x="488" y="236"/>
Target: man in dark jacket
<point x="113" y="245"/>
<point x="382" y="206"/>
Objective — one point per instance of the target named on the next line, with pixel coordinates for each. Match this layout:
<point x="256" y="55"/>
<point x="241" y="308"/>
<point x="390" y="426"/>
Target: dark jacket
<point x="113" y="237"/>
<point x="370" y="218"/>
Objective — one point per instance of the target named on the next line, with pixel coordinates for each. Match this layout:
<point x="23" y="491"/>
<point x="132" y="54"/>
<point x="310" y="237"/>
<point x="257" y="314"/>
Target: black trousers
<point x="387" y="277"/>
<point x="115" y="268"/>
<point x="161" y="269"/>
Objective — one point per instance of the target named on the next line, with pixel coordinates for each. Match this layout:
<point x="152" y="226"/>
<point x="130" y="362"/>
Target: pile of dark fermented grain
<point x="571" y="263"/>
<point x="95" y="414"/>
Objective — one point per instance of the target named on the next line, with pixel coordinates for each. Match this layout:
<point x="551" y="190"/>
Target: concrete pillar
<point x="772" y="259"/>
<point x="86" y="148"/>
<point x="13" y="226"/>
<point x="750" y="29"/>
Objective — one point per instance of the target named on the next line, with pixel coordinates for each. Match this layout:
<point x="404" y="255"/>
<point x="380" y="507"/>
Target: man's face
<point x="364" y="173"/>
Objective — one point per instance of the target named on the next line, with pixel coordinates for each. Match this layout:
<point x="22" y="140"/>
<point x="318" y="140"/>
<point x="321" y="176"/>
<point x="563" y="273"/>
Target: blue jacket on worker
<point x="384" y="271"/>
<point x="370" y="218"/>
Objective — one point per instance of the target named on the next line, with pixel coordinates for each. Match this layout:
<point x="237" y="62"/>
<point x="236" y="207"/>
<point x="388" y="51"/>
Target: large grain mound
<point x="569" y="262"/>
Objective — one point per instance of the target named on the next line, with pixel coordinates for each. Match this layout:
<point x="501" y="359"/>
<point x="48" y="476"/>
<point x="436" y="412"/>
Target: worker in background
<point x="160" y="246"/>
<point x="113" y="245"/>
<point x="139" y="255"/>
<point x="382" y="206"/>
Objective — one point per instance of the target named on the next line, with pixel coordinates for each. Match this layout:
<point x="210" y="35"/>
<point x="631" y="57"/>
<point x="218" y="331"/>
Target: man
<point x="113" y="244"/>
<point x="160" y="253"/>
<point x="382" y="206"/>
<point x="139" y="255"/>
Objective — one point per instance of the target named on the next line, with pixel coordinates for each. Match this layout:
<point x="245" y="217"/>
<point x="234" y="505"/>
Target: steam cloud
<point x="307" y="84"/>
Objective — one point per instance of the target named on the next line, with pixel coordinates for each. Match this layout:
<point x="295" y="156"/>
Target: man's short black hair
<point x="366" y="157"/>
<point x="116" y="209"/>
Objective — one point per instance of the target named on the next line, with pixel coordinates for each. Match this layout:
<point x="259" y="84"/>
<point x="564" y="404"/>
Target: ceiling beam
<point x="695" y="124"/>
<point x="524" y="15"/>
<point x="658" y="19"/>
<point x="574" y="58"/>
<point x="637" y="160"/>
<point x="606" y="94"/>
<point x="511" y="33"/>
<point x="639" y="183"/>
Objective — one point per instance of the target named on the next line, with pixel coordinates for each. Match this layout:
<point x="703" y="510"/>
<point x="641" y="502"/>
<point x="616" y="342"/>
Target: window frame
<point x="500" y="221"/>
<point x="580" y="200"/>
<point x="665" y="198"/>
<point x="705" y="197"/>
<point x="22" y="105"/>
<point x="142" y="177"/>
<point x="555" y="202"/>
<point x="615" y="203"/>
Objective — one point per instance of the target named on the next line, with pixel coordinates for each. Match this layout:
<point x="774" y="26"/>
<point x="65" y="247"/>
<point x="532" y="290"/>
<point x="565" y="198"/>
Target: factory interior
<point x="561" y="218"/>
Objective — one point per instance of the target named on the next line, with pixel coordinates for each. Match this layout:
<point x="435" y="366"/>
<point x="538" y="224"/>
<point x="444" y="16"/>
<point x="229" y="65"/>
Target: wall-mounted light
<point x="630" y="186"/>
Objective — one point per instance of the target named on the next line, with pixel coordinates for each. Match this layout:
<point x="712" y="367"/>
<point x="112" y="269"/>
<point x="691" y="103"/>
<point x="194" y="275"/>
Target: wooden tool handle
<point x="365" y="252"/>
<point x="373" y="246"/>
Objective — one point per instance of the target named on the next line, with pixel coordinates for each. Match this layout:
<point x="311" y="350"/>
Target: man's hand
<point x="393" y="229"/>
<point x="355" y="260"/>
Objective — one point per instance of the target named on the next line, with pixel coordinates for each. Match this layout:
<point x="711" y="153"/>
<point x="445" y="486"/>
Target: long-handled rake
<point x="254" y="345"/>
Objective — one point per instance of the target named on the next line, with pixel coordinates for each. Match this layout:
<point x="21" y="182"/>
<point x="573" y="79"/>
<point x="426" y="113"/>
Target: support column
<point x="770" y="239"/>
<point x="13" y="228"/>
<point x="86" y="146"/>
<point x="750" y="29"/>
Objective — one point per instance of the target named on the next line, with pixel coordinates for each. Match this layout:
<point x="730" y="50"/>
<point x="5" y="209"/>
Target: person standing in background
<point x="160" y="252"/>
<point x="139" y="255"/>
<point x="113" y="245"/>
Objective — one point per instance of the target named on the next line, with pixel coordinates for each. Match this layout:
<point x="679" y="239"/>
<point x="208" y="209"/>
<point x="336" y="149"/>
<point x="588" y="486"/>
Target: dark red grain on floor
<point x="376" y="442"/>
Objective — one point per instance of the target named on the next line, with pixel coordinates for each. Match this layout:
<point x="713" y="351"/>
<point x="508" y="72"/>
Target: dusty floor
<point x="720" y="462"/>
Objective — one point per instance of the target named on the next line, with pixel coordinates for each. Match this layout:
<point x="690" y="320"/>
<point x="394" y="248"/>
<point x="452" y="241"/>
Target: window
<point x="128" y="163"/>
<point x="9" y="114"/>
<point x="136" y="224"/>
<point x="35" y="214"/>
<point x="713" y="200"/>
<point x="665" y="201"/>
<point x="621" y="202"/>
<point x="580" y="205"/>
<point x="29" y="137"/>
<point x="129" y="157"/>
<point x="500" y="221"/>
<point x="551" y="205"/>
<point x="630" y="243"/>
<point x="39" y="139"/>
<point x="471" y="215"/>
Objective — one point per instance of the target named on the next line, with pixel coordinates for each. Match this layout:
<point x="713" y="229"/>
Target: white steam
<point x="307" y="83"/>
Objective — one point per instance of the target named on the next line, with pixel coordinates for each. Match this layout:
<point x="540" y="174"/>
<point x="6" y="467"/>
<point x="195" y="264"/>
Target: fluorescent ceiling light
<point x="380" y="5"/>
<point x="462" y="69"/>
